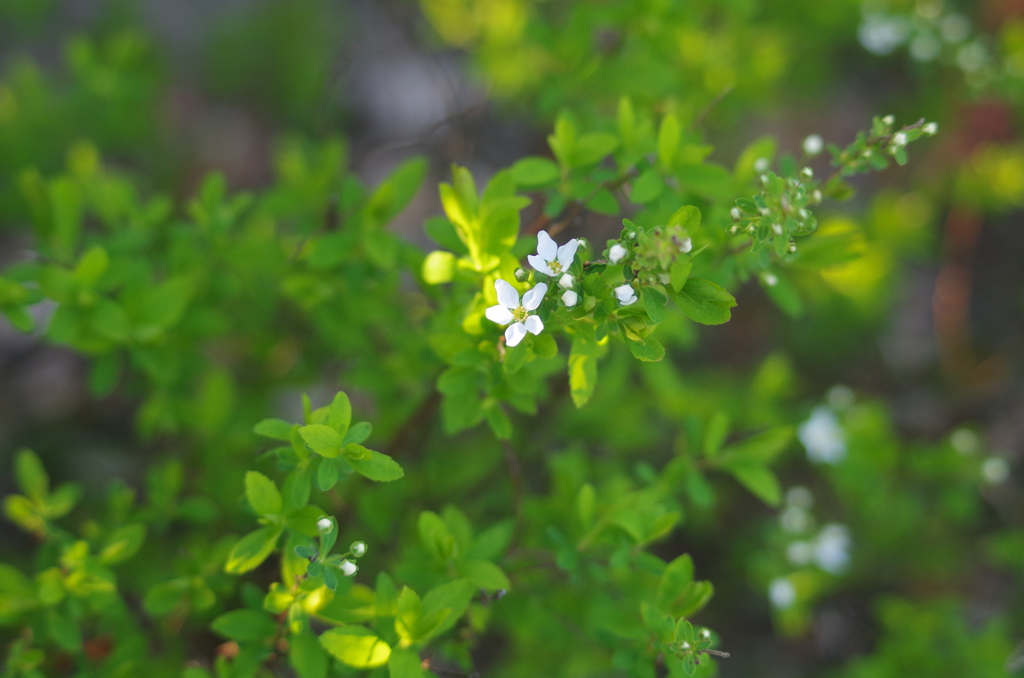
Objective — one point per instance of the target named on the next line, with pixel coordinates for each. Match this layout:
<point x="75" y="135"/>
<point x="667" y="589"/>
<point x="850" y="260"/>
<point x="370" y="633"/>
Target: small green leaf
<point x="31" y="475"/>
<point x="372" y="464"/>
<point x="356" y="646"/>
<point x="647" y="187"/>
<point x="533" y="171"/>
<point x="278" y="429"/>
<point x="669" y="135"/>
<point x="686" y="216"/>
<point x="307" y="655"/>
<point x="714" y="435"/>
<point x="327" y="474"/>
<point x="303" y="520"/>
<point x="123" y="543"/>
<point x="654" y="304"/>
<point x="484" y="574"/>
<point x="262" y="494"/>
<point x="704" y="301"/>
<point x="438" y="267"/>
<point x="648" y="351"/>
<point x="404" y="663"/>
<point x="757" y="478"/>
<point x="340" y="414"/>
<point x="244" y="625"/>
<point x="252" y="549"/>
<point x="358" y="433"/>
<point x="679" y="272"/>
<point x="324" y="440"/>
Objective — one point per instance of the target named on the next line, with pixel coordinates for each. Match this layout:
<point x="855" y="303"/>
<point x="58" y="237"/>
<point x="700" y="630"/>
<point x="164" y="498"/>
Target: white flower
<point x="550" y="258"/>
<point x="899" y="139"/>
<point x="625" y="294"/>
<point x="761" y="165"/>
<point x="782" y="593"/>
<point x="995" y="470"/>
<point x="813" y="144"/>
<point x="348" y="568"/>
<point x="807" y="174"/>
<point x="570" y="298"/>
<point x="736" y="214"/>
<point x="823" y="437"/>
<point x="831" y="548"/>
<point x="566" y="281"/>
<point x="686" y="245"/>
<point x="800" y="497"/>
<point x="931" y="128"/>
<point x="324" y="525"/>
<point x="616" y="253"/>
<point x="965" y="441"/>
<point x="794" y="519"/>
<point x="517" y="316"/>
<point x="358" y="548"/>
<point x="800" y="553"/>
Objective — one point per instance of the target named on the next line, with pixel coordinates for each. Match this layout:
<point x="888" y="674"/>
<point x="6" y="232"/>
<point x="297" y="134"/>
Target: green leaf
<point x="323" y="439"/>
<point x="438" y="267"/>
<point x="244" y="625"/>
<point x="304" y="519"/>
<point x="484" y="574"/>
<point x="704" y="301"/>
<point x="679" y="272"/>
<point x="92" y="265"/>
<point x="534" y="171"/>
<point x="327" y="474"/>
<point x="31" y="475"/>
<point x="654" y="304"/>
<point x="123" y="543"/>
<point x="592" y="148"/>
<point x="583" y="368"/>
<point x="64" y="630"/>
<point x="762" y="448"/>
<point x="358" y="433"/>
<point x="356" y="646"/>
<point x="669" y="135"/>
<point x="647" y="187"/>
<point x="372" y="464"/>
<point x="295" y="492"/>
<point x="278" y="429"/>
<point x="262" y="494"/>
<point x="340" y="414"/>
<point x="436" y="537"/>
<point x="404" y="663"/>
<point x="714" y="435"/>
<point x="307" y="655"/>
<point x="454" y="596"/>
<point x="252" y="549"/>
<point x="674" y="580"/>
<point x="686" y="216"/>
<point x="648" y="351"/>
<point x="757" y="478"/>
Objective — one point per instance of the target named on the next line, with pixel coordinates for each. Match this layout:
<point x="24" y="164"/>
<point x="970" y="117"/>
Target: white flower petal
<point x="532" y="299"/>
<point x="546" y="247"/>
<point x="507" y="295"/>
<point x="630" y="301"/>
<point x="539" y="264"/>
<point x="566" y="281"/>
<point x="514" y="334"/>
<point x="499" y="314"/>
<point x="534" y="325"/>
<point x="570" y="298"/>
<point x="623" y="292"/>
<point x="616" y="253"/>
<point x="567" y="252"/>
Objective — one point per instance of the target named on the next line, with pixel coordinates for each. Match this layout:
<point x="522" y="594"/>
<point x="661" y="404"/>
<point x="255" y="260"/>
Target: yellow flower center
<point x="519" y="314"/>
<point x="555" y="266"/>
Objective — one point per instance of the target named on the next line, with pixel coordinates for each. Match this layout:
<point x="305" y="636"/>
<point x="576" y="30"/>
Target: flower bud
<point x="686" y="245"/>
<point x="807" y="174"/>
<point x="358" y="548"/>
<point x="582" y="244"/>
<point x="348" y="568"/>
<point x="791" y="248"/>
<point x="761" y="165"/>
<point x="631" y="235"/>
<point x="931" y="128"/>
<point x="816" y="196"/>
<point x="684" y="646"/>
<point x="566" y="281"/>
<point x="570" y="298"/>
<point x="899" y="139"/>
<point x="616" y="253"/>
<point x="736" y="214"/>
<point x="522" y="275"/>
<point x="889" y="120"/>
<point x="705" y="634"/>
<point x="813" y="144"/>
<point x="625" y="294"/>
<point x="324" y="525"/>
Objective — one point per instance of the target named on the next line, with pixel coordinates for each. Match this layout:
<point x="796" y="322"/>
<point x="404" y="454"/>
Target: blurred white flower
<point x="794" y="519"/>
<point x="616" y="253"/>
<point x="324" y="525"/>
<point x="570" y="298"/>
<point x="995" y="470"/>
<point x="813" y="144"/>
<point x="782" y="593"/>
<point x="822" y="436"/>
<point x="358" y="548"/>
<point x="517" y="316"/>
<point x="550" y="258"/>
<point x="625" y="294"/>
<point x="800" y="553"/>
<point x="881" y="34"/>
<point x="831" y="548"/>
<point x="348" y="568"/>
<point x="800" y="497"/>
<point x="965" y="441"/>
